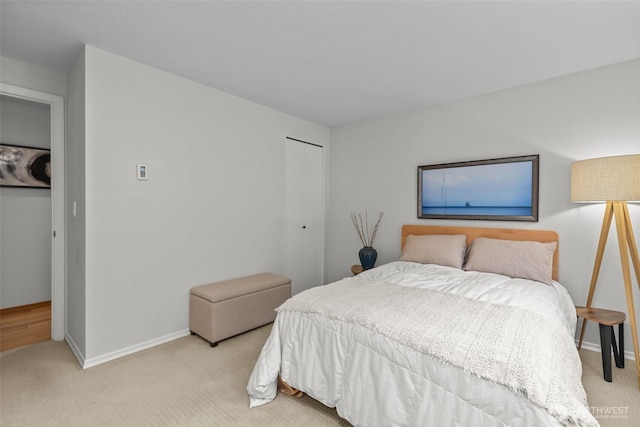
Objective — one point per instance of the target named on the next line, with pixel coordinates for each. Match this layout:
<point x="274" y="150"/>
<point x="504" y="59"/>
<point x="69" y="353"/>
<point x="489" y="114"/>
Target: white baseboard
<point x="596" y="347"/>
<point x="74" y="349"/>
<point x="94" y="361"/>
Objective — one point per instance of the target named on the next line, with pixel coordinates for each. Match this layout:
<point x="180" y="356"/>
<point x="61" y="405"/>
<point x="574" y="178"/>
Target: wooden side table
<point x="606" y="319"/>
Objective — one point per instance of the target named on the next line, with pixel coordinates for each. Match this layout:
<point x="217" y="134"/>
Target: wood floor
<point x="24" y="325"/>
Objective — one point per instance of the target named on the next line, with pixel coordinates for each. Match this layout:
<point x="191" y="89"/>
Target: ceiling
<point x="334" y="62"/>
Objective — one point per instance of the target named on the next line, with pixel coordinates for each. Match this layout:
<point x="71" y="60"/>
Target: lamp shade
<point x="606" y="179"/>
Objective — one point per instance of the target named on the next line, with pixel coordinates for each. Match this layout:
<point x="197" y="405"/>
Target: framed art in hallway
<point x="504" y="189"/>
<point x="25" y="166"/>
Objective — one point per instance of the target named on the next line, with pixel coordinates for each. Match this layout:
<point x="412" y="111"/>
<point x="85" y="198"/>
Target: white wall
<point x="75" y="309"/>
<point x="589" y="114"/>
<point x="25" y="213"/>
<point x="211" y="209"/>
<point x="201" y="217"/>
<point x="23" y="74"/>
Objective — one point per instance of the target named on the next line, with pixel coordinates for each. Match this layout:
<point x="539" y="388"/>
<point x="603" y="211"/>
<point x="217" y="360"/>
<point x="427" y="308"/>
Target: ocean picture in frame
<point x="25" y="166"/>
<point x="503" y="189"/>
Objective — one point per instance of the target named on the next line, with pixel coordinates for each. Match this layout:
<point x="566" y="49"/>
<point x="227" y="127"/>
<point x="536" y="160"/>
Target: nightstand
<point x="607" y="319"/>
<point x="356" y="269"/>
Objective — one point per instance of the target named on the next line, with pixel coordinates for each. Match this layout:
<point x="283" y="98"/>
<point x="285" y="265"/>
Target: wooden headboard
<point x="543" y="236"/>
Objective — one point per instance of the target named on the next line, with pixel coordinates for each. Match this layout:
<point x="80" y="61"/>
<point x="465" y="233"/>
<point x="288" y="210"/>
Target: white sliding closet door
<point x="304" y="214"/>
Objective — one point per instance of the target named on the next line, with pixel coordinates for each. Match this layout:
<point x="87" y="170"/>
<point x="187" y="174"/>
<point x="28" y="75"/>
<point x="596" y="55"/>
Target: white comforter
<point x="375" y="380"/>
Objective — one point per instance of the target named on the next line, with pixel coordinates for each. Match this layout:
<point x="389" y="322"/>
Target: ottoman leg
<point x="605" y="345"/>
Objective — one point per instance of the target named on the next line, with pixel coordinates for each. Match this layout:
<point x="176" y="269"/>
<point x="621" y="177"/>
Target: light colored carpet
<point x="614" y="404"/>
<point x="187" y="383"/>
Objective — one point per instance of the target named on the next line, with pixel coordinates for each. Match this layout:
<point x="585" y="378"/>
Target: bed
<point x="468" y="328"/>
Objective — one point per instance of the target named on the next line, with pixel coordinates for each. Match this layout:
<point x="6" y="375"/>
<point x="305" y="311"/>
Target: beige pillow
<point x="435" y="249"/>
<point x="523" y="259"/>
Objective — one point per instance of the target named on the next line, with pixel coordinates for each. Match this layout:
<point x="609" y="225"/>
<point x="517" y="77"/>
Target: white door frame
<point x="59" y="232"/>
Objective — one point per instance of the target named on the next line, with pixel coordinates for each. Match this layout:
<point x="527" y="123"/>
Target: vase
<point x="368" y="257"/>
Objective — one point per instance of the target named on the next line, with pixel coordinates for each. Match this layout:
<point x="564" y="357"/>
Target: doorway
<point x="55" y="106"/>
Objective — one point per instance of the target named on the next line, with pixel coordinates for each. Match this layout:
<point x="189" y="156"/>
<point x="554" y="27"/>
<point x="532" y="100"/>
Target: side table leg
<point x="614" y="347"/>
<point x="620" y="359"/>
<point x="605" y="345"/>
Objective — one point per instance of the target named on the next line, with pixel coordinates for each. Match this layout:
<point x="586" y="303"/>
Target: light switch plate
<point x="142" y="171"/>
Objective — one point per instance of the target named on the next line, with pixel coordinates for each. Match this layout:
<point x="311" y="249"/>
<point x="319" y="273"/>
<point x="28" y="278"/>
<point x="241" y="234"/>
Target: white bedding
<point x="373" y="380"/>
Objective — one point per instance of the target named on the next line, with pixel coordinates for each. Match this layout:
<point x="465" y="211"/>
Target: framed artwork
<point x="25" y="166"/>
<point x="496" y="189"/>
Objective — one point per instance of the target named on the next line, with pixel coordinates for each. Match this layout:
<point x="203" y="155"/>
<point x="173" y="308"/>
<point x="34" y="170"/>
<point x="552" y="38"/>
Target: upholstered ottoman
<point x="223" y="309"/>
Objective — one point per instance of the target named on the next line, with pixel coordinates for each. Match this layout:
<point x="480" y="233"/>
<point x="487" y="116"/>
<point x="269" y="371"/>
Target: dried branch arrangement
<point x="366" y="234"/>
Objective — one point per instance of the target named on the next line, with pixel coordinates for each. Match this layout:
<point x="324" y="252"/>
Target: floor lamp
<point x="616" y="181"/>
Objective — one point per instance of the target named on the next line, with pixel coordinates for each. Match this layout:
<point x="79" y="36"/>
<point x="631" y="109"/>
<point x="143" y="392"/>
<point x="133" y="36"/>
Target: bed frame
<point x="542" y="236"/>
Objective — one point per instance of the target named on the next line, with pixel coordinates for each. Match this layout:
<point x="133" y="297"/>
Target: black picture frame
<point x="27" y="167"/>
<point x="504" y="189"/>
